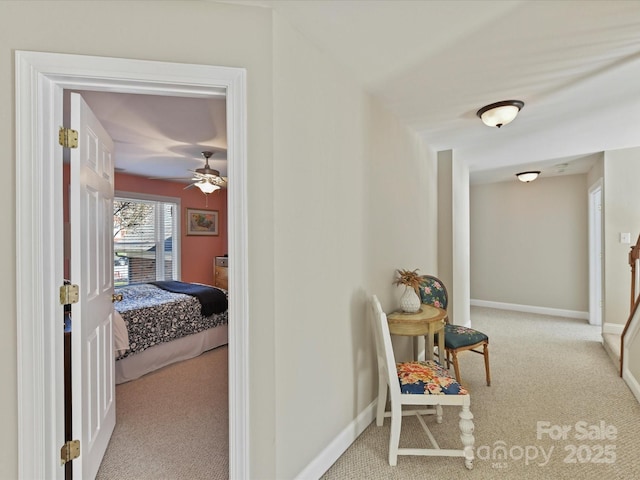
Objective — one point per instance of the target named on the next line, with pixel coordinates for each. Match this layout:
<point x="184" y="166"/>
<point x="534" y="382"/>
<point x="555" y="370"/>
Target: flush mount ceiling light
<point x="527" y="177"/>
<point x="500" y="113"/>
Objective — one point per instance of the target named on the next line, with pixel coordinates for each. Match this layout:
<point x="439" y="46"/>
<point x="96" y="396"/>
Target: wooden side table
<point x="428" y="321"/>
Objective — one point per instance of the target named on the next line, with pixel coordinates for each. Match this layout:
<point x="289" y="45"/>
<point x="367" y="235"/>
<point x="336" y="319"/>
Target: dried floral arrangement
<point x="410" y="278"/>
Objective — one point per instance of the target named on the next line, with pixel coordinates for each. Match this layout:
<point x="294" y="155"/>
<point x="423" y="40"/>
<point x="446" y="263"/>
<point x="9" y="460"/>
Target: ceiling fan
<point x="207" y="179"/>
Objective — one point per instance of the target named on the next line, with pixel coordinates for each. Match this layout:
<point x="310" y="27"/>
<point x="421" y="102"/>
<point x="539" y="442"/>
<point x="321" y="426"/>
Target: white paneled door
<point x="91" y="219"/>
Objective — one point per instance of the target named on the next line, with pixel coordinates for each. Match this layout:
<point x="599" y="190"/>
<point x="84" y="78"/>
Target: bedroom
<point x="150" y="133"/>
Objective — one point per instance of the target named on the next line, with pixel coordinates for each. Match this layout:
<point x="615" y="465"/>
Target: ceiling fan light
<point x="527" y="177"/>
<point x="500" y="113"/>
<point x="207" y="187"/>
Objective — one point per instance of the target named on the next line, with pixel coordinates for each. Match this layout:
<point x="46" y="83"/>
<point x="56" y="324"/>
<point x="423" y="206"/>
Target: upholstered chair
<point x="456" y="337"/>
<point x="425" y="384"/>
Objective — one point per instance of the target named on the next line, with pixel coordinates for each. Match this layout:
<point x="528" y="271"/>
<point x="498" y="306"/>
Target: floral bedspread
<point x="155" y="316"/>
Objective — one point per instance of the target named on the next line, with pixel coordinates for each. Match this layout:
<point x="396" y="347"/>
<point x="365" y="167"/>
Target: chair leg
<point x="456" y="367"/>
<point x="382" y="400"/>
<point x="394" y="437"/>
<point x="485" y="352"/>
<point x="466" y="435"/>
<point x="448" y="358"/>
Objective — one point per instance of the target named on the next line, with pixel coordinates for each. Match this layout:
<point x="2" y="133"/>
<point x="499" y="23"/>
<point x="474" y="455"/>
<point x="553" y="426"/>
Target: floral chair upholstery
<point x="456" y="337"/>
<point x="433" y="292"/>
<point x="423" y="384"/>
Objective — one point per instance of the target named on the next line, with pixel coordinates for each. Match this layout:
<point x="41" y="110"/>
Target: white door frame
<point x="595" y="254"/>
<point x="40" y="81"/>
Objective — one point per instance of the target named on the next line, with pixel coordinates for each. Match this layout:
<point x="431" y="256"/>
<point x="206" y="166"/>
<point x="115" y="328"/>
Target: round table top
<point x="402" y="323"/>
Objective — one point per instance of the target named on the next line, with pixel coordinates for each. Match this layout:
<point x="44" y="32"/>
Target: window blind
<point x="143" y="241"/>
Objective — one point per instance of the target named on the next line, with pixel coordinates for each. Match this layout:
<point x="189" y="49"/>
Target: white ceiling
<point x="163" y="137"/>
<point x="575" y="64"/>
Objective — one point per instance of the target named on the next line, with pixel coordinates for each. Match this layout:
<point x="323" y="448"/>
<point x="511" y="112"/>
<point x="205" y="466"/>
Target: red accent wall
<point x="198" y="252"/>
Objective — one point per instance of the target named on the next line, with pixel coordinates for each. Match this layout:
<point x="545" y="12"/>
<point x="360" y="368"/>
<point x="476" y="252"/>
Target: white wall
<point x="633" y="358"/>
<point x="529" y="243"/>
<point x="631" y="355"/>
<point x="461" y="245"/>
<point x="353" y="200"/>
<point x="445" y="225"/>
<point x="597" y="170"/>
<point x="621" y="214"/>
<point x="174" y="31"/>
<point x="453" y="235"/>
<point x="400" y="205"/>
<point x="319" y="238"/>
<point x="340" y="195"/>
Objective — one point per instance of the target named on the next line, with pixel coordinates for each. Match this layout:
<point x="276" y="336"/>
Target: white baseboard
<point x="558" y="312"/>
<point x="339" y="445"/>
<point x="611" y="345"/>
<point x="614" y="328"/>
<point x="632" y="382"/>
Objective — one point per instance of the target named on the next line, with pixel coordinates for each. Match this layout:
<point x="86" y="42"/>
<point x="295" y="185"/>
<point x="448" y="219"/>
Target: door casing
<point x="41" y="79"/>
<point x="596" y="247"/>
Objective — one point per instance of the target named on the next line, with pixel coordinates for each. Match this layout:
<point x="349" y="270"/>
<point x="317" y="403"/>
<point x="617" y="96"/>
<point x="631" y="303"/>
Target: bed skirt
<point x="158" y="356"/>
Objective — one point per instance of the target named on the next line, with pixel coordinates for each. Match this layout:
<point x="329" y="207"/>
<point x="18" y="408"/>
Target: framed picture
<point x="202" y="222"/>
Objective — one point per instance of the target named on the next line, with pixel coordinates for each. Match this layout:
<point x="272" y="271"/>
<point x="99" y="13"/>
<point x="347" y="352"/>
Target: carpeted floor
<point x="173" y="424"/>
<point x="544" y="369"/>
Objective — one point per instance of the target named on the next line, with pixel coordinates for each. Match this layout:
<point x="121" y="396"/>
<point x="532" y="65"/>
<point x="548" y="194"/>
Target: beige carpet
<point x="173" y="423"/>
<point x="544" y="369"/>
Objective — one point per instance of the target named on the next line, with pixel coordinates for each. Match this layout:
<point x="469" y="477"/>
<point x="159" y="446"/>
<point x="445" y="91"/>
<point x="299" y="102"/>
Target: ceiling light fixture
<point x="500" y="113"/>
<point x="206" y="178"/>
<point x="206" y="186"/>
<point x="527" y="177"/>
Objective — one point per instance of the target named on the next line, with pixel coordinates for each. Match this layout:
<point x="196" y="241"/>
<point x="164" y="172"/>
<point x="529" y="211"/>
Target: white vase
<point x="409" y="301"/>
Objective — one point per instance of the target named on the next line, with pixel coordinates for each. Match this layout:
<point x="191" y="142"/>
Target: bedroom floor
<point x="173" y="423"/>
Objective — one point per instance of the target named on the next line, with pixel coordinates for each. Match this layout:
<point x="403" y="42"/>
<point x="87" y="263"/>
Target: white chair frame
<point x="388" y="380"/>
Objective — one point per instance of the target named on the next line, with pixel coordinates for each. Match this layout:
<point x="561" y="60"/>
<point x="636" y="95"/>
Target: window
<point x="145" y="239"/>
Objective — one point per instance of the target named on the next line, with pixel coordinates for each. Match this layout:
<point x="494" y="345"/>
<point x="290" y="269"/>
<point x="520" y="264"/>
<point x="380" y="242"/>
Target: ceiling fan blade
<point x="201" y="177"/>
<point x="169" y="178"/>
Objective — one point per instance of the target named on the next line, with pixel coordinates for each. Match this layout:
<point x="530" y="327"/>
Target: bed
<point x="160" y="323"/>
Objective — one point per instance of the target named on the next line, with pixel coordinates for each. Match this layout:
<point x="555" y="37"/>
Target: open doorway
<point x="41" y="80"/>
<point x="157" y="142"/>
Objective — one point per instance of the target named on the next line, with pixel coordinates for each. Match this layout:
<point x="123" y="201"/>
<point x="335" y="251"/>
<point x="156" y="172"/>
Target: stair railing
<point x="634" y="261"/>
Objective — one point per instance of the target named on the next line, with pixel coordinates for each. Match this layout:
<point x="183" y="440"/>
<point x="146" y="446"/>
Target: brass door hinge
<point x="69" y="294"/>
<point x="68" y="138"/>
<point x="69" y="451"/>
